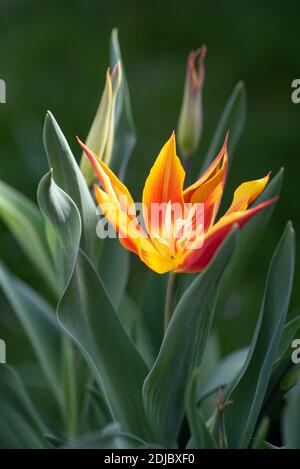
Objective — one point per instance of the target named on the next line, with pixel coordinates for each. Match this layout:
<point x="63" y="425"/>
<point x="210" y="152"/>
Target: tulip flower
<point x="191" y="116"/>
<point x="163" y="243"/>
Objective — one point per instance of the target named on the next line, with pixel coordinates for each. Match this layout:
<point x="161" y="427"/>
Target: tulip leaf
<point x="152" y="305"/>
<point x="200" y="436"/>
<point x="133" y="320"/>
<point x="70" y="179"/>
<point x="20" y="426"/>
<point x="27" y="225"/>
<point x="283" y="362"/>
<point x="63" y="215"/>
<point x="39" y="322"/>
<point x="249" y="389"/>
<point x="88" y="316"/>
<point x="125" y="133"/>
<point x="223" y="374"/>
<point x="291" y="419"/>
<point x="248" y="239"/>
<point x="232" y="119"/>
<point x="265" y="445"/>
<point x="182" y="348"/>
<point x="114" y="269"/>
<point x="111" y="437"/>
<point x="95" y="413"/>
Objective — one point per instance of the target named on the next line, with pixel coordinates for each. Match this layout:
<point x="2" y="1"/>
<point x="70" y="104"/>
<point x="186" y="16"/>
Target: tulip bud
<point x="101" y="134"/>
<point x="191" y="119"/>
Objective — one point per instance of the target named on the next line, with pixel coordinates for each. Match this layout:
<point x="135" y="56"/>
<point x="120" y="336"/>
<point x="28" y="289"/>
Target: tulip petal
<point x="197" y="259"/>
<point x="132" y="236"/>
<point x="209" y="188"/>
<point x="155" y="261"/>
<point x="128" y="234"/>
<point x="164" y="183"/>
<point x="109" y="181"/>
<point x="246" y="193"/>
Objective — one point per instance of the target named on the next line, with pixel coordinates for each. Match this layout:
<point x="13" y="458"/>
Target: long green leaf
<point x="110" y="437"/>
<point x="114" y="269"/>
<point x="20" y="426"/>
<point x="249" y="390"/>
<point x="70" y="179"/>
<point x="125" y="134"/>
<point x="248" y="240"/>
<point x="182" y="348"/>
<point x="27" y="225"/>
<point x="40" y="325"/>
<point x="200" y="436"/>
<point x="63" y="217"/>
<point x="224" y="373"/>
<point x="60" y="210"/>
<point x="88" y="316"/>
<point x="232" y="119"/>
<point x="291" y="419"/>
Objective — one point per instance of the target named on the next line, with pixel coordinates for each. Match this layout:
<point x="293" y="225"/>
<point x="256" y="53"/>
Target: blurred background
<point x="53" y="55"/>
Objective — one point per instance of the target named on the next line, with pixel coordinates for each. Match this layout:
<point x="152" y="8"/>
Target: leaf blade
<point x="183" y="343"/>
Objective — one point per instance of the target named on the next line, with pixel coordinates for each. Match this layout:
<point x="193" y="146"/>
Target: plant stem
<point x="170" y="297"/>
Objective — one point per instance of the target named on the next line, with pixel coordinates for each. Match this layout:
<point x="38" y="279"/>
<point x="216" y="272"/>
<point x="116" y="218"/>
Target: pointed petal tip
<point x="86" y="149"/>
<point x="226" y="138"/>
<point x="203" y="51"/>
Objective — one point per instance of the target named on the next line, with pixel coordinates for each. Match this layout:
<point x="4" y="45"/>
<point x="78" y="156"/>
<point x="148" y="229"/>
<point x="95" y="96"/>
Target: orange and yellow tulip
<point x="161" y="243"/>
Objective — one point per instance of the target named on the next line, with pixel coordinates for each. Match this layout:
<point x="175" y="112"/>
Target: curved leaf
<point x="182" y="348"/>
<point x="114" y="269"/>
<point x="249" y="390"/>
<point x="39" y="322"/>
<point x="232" y="119"/>
<point x="291" y="419"/>
<point x="110" y="437"/>
<point x="249" y="238"/>
<point x="20" y="426"/>
<point x="63" y="215"/>
<point x="27" y="225"/>
<point x="87" y="315"/>
<point x="64" y="219"/>
<point x="224" y="374"/>
<point x="125" y="134"/>
<point x="70" y="179"/>
<point x="200" y="436"/>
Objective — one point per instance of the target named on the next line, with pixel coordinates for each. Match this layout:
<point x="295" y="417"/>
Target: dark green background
<point x="53" y="55"/>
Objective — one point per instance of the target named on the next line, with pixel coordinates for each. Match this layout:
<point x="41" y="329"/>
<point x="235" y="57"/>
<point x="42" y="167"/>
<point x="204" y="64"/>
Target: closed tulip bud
<point x="191" y="118"/>
<point x="101" y="134"/>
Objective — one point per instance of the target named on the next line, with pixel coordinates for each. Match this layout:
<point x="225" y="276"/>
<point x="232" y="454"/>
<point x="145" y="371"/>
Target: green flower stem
<point x="170" y="297"/>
